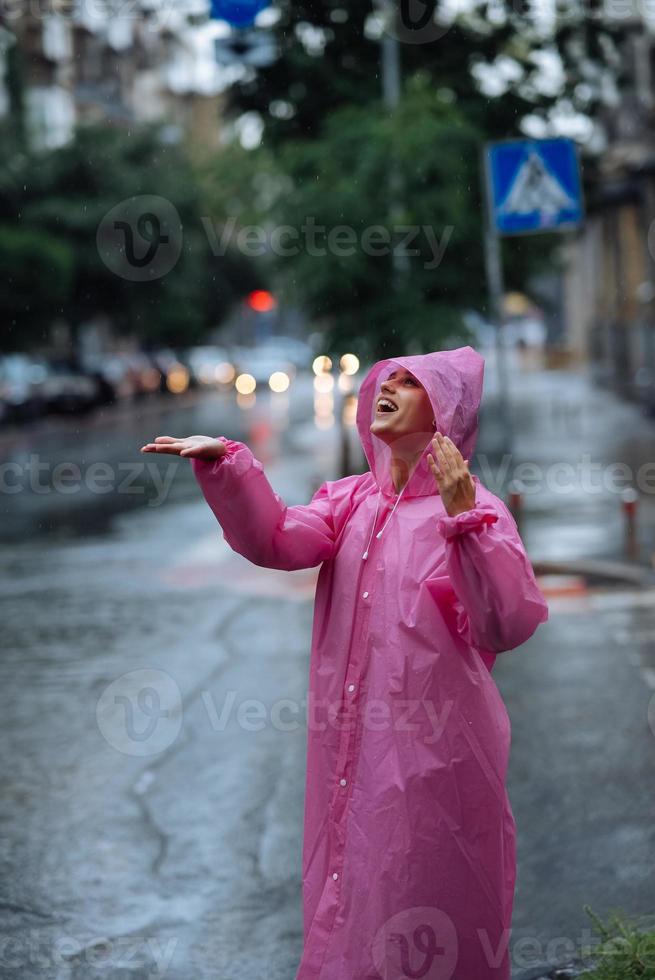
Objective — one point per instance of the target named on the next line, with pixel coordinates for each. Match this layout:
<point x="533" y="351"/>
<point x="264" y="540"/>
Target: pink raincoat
<point x="409" y="838"/>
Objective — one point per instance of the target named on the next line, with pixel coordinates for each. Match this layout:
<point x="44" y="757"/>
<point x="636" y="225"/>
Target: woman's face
<point x="402" y="408"/>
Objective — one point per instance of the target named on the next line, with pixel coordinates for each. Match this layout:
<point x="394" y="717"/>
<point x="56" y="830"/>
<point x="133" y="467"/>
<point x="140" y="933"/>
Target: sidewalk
<point x="580" y="693"/>
<point x="576" y="447"/>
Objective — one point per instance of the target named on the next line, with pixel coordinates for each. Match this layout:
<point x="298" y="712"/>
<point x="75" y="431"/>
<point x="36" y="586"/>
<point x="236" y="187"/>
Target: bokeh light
<point x="225" y="373"/>
<point x="323" y="383"/>
<point x="349" y="363"/>
<point x="261" y="301"/>
<point x="321" y="364"/>
<point x="177" y="379"/>
<point x="245" y="384"/>
<point x="278" y="381"/>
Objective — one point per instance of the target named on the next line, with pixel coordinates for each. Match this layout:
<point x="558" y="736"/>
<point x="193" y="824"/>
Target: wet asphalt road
<point x="124" y="855"/>
<point x="153" y="741"/>
<point x="71" y="476"/>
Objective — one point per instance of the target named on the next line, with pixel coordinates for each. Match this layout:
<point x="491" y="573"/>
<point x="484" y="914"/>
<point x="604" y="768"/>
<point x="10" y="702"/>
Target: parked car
<point x="173" y="373"/>
<point x="299" y="352"/>
<point x="129" y="374"/>
<point x="261" y="362"/>
<point x="67" y="390"/>
<point x="22" y="380"/>
<point x="642" y="390"/>
<point x="209" y="365"/>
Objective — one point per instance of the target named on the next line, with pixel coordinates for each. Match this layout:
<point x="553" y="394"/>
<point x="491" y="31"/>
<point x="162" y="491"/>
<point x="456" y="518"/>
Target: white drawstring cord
<point x="377" y="505"/>
<point x="379" y="534"/>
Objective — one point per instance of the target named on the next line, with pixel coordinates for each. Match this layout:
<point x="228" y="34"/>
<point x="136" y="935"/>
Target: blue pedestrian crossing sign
<point x="237" y="13"/>
<point x="533" y="186"/>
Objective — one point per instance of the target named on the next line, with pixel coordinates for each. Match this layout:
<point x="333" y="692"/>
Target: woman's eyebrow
<point x="408" y="374"/>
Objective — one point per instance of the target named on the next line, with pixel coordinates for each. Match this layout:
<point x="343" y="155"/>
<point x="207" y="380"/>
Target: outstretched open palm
<point x="196" y="447"/>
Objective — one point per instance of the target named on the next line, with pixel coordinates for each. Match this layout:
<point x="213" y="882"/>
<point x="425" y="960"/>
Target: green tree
<point x="325" y="129"/>
<point x="329" y="56"/>
<point x="340" y="179"/>
<point x="51" y="206"/>
<point x="36" y="270"/>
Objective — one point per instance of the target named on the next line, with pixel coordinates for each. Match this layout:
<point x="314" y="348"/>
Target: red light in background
<point x="261" y="300"/>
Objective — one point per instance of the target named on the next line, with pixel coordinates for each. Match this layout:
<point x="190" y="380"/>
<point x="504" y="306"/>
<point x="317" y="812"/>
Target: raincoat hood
<point x="453" y="380"/>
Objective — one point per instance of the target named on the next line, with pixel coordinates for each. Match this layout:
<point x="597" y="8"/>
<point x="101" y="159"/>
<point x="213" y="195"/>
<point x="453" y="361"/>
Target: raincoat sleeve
<point x="256" y="523"/>
<point x="500" y="603"/>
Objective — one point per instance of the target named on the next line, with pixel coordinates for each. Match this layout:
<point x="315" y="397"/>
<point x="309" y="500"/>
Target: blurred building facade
<point x="113" y="62"/>
<point x="610" y="264"/>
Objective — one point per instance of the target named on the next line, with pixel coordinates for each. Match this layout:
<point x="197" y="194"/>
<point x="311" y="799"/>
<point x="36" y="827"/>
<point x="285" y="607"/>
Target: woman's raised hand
<point x="195" y="447"/>
<point x="452" y="476"/>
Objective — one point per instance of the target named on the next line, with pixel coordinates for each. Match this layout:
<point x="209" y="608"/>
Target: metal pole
<point x="496" y="289"/>
<point x="390" y="60"/>
<point x="391" y="93"/>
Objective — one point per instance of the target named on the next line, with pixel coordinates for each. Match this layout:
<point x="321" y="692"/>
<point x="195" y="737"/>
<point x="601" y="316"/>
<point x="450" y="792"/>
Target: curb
<point x="98" y="417"/>
<point x="565" y="971"/>
<point x="602" y="571"/>
<point x="538" y="973"/>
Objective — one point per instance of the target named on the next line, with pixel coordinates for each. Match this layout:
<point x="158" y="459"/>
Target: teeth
<point x="384" y="403"/>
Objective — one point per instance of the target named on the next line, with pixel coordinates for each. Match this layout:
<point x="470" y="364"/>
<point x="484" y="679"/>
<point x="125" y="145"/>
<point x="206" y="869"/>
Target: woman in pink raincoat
<point x="409" y="839"/>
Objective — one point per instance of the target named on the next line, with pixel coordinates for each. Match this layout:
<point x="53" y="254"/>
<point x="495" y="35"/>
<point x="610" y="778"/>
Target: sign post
<point x="530" y="187"/>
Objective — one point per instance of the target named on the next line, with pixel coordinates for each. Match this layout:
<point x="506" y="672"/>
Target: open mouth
<point x="385" y="405"/>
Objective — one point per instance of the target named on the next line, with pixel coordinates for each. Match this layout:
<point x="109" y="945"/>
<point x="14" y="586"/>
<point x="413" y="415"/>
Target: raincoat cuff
<point x="473" y="519"/>
<point x="237" y="458"/>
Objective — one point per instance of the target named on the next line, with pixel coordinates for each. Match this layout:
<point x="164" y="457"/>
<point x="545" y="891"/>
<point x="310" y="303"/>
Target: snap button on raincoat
<point x="408" y="861"/>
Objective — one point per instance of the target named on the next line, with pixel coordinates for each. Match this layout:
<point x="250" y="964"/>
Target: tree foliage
<point x="51" y="206"/>
<point x="330" y="143"/>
